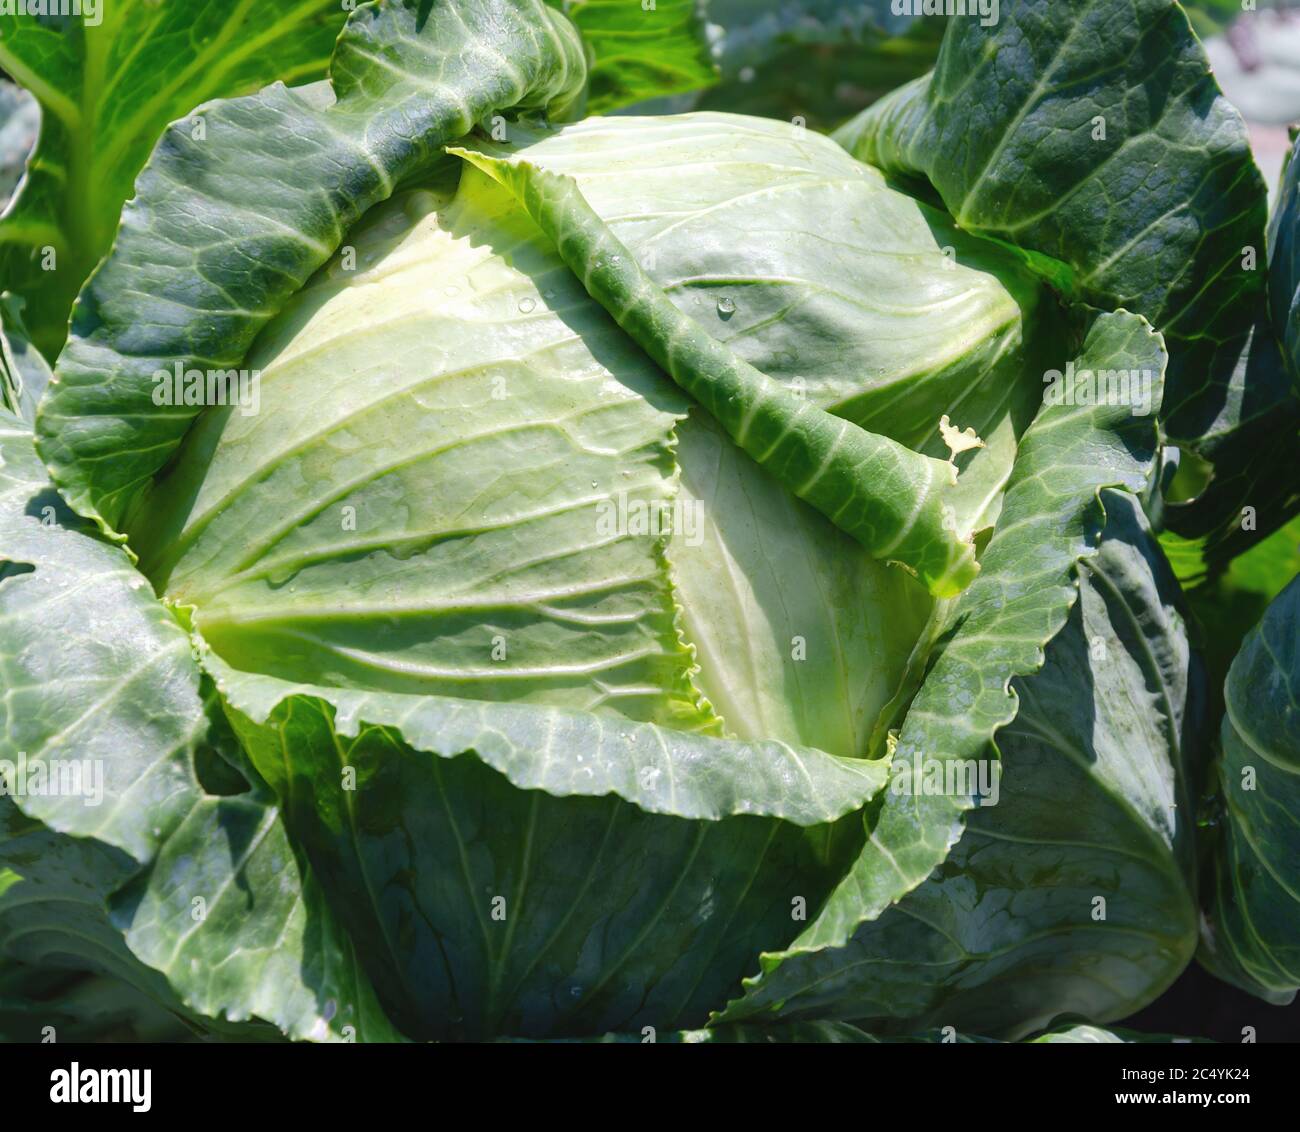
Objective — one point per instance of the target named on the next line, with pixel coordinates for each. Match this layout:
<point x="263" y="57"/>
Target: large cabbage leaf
<point x="1251" y="489"/>
<point x="1251" y="934"/>
<point x="112" y="853"/>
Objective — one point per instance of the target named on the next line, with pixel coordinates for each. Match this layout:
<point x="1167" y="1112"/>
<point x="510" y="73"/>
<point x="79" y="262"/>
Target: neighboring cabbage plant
<point x="496" y="572"/>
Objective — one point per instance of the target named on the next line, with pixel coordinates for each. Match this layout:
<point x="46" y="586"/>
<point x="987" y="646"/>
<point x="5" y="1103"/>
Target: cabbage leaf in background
<point x="1249" y="937"/>
<point x="75" y="1006"/>
<point x="821" y="60"/>
<point x="441" y="755"/>
<point x="105" y="93"/>
<point x="24" y="372"/>
<point x="640" y="51"/>
<point x="1231" y="574"/>
<point x="18" y="127"/>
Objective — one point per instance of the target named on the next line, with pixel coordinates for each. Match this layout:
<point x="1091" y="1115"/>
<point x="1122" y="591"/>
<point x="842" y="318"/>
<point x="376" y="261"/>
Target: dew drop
<point x="527" y="305"/>
<point x="726" y="307"/>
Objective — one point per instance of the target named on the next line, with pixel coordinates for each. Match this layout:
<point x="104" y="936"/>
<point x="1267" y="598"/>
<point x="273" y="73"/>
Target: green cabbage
<point x="488" y="571"/>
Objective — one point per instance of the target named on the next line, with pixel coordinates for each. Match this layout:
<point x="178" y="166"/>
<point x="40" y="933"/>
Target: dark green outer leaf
<point x="53" y="901"/>
<point x="106" y="92"/>
<point x="1254" y="485"/>
<point x="1230" y="605"/>
<point x="80" y="1007"/>
<point x="1253" y="441"/>
<point x="1284" y="266"/>
<point x="747" y="32"/>
<point x="1251" y="935"/>
<point x="1004" y="126"/>
<point x="220" y="225"/>
<point x="481" y="909"/>
<point x="794" y="1033"/>
<point x="1051" y="519"/>
<point x="266" y="946"/>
